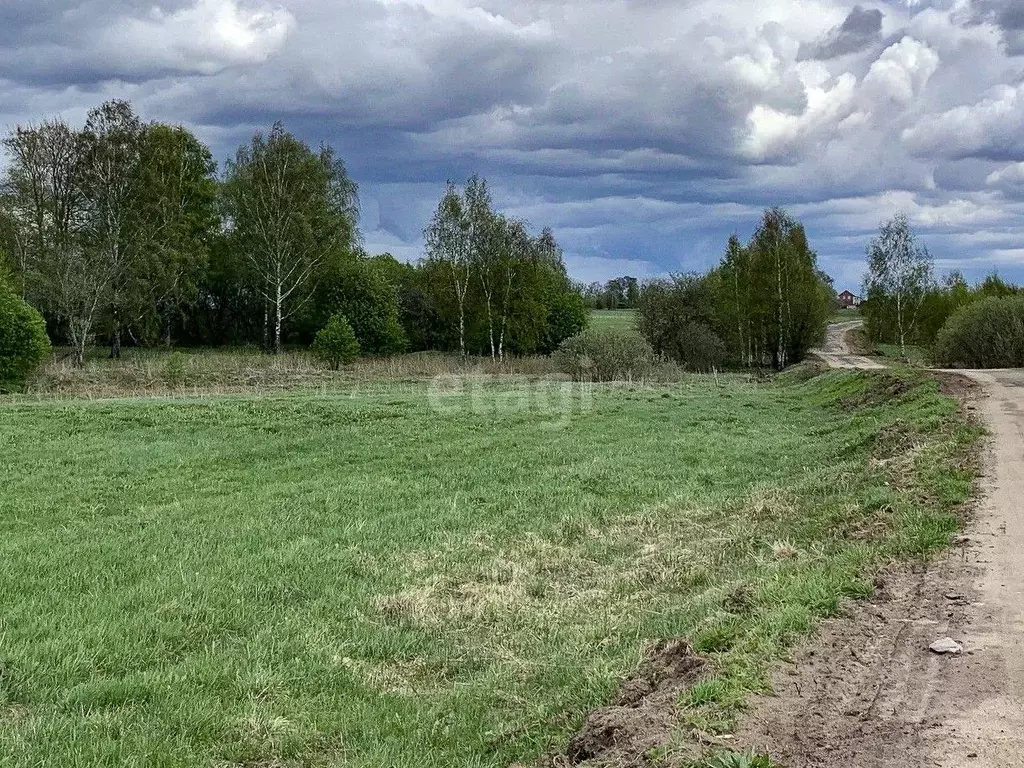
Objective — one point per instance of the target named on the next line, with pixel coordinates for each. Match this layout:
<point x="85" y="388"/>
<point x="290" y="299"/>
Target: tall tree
<point x="112" y="147"/>
<point x="288" y="208"/>
<point x="175" y="219"/>
<point x="772" y="301"/>
<point x="486" y="234"/>
<point x="449" y="246"/>
<point x="49" y="214"/>
<point x="901" y="272"/>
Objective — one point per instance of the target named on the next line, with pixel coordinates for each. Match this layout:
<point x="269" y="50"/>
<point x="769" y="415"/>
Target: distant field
<point x="622" y="319"/>
<point x="845" y="315"/>
<point x="415" y="575"/>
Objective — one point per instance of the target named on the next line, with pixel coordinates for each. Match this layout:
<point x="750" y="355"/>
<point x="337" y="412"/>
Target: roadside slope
<point x="869" y="693"/>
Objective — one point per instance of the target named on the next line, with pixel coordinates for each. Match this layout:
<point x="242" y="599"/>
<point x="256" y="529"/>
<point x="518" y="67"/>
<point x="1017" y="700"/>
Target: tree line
<point x="124" y="231"/>
<point x="765" y="305"/>
<point x="906" y="304"/>
<point x="617" y="293"/>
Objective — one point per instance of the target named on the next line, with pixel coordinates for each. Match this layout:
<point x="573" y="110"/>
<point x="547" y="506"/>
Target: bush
<point x="174" y="370"/>
<point x="357" y="290"/>
<point x="567" y="316"/>
<point x="336" y="344"/>
<point x="699" y="348"/>
<point x="23" y="340"/>
<point x="985" y="334"/>
<point x="605" y="355"/>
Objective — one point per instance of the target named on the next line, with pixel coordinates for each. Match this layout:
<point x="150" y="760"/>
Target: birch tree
<point x="288" y="208"/>
<point x="449" y="245"/>
<point x="772" y="300"/>
<point x="518" y="249"/>
<point x="485" y="235"/>
<point x="899" y="271"/>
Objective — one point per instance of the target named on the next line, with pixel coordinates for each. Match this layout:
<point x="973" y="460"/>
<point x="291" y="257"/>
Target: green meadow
<point x="435" y="574"/>
<point x="613" y="319"/>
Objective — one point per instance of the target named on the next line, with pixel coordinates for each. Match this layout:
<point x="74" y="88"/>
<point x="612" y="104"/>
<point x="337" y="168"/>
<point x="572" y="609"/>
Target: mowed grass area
<point x="434" y="575"/>
<point x="613" y="319"/>
<point x="846" y="315"/>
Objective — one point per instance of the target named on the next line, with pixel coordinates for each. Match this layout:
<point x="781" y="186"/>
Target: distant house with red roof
<point x="847" y="300"/>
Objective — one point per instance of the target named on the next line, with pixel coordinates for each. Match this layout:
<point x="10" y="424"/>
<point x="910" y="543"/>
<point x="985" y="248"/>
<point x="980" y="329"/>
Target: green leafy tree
<point x="771" y="300"/>
<point x="60" y="268"/>
<point x="336" y="344"/>
<point x="676" y="315"/>
<point x="289" y="208"/>
<point x="450" y="247"/>
<point x="498" y="287"/>
<point x="357" y="289"/>
<point x="567" y="314"/>
<point x="174" y="221"/>
<point x="23" y="340"/>
<point x="110" y="182"/>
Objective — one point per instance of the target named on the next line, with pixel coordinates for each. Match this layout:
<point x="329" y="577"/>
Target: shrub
<point x="605" y="355"/>
<point x="23" y="340"/>
<point x="174" y="370"/>
<point x="669" y="308"/>
<point x="357" y="290"/>
<point x="985" y="334"/>
<point x="336" y="344"/>
<point x="699" y="348"/>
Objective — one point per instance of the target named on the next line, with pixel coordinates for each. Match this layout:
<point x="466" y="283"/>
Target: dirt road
<point x="868" y="692"/>
<point x="836" y="351"/>
<point x="993" y="728"/>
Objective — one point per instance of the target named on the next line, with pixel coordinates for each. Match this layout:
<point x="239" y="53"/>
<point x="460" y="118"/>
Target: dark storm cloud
<point x="1007" y="16"/>
<point x="646" y="131"/>
<point x="861" y="29"/>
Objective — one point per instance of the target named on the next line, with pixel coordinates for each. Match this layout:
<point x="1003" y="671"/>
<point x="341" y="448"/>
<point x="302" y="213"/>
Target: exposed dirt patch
<point x="864" y="692"/>
<point x="965" y="389"/>
<point x="643" y="717"/>
<point x="858" y="343"/>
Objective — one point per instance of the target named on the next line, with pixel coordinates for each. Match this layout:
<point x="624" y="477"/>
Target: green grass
<point x="914" y="355"/>
<point x="613" y="319"/>
<point x="397" y="575"/>
<point x="845" y="315"/>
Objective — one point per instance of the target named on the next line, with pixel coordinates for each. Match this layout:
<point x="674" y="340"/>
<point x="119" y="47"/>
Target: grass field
<point x="615" y="319"/>
<point x="417" y="574"/>
<point x="845" y="315"/>
<point x="914" y="355"/>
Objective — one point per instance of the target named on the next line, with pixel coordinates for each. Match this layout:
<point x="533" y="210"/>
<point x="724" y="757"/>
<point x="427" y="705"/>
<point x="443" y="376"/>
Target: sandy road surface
<point x="836" y="352"/>
<point x="869" y="693"/>
<point x="992" y="727"/>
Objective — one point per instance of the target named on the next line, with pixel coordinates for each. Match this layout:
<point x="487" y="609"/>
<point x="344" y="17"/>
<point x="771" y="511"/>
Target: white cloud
<point x="772" y="131"/>
<point x="988" y="128"/>
<point x="204" y="38"/>
<point x="1009" y="175"/>
<point x="897" y="78"/>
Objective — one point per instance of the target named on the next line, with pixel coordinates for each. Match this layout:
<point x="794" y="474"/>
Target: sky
<point x="644" y="132"/>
